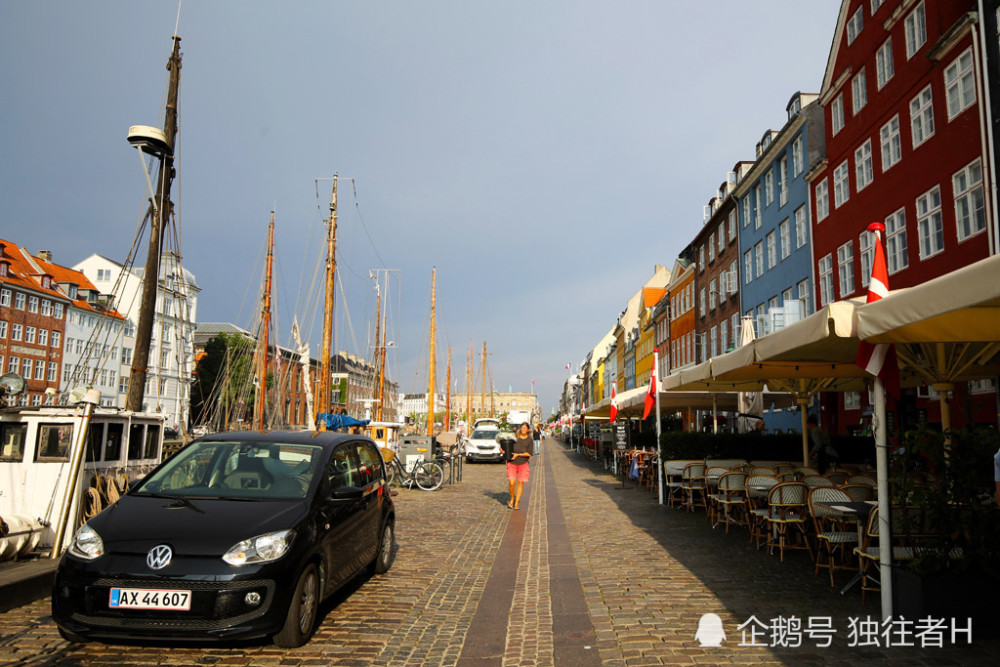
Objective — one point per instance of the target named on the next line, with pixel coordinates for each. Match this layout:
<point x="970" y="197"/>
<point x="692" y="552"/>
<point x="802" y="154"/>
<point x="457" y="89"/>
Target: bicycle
<point x="427" y="475"/>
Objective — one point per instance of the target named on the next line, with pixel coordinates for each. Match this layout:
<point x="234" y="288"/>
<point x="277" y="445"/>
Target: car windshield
<point x="485" y="435"/>
<point x="236" y="469"/>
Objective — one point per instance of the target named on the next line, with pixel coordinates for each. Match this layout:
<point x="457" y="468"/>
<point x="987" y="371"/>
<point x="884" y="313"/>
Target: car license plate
<point x="142" y="598"/>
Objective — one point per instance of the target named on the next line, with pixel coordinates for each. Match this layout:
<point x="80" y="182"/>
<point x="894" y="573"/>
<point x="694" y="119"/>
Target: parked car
<point x="236" y="536"/>
<point x="483" y="445"/>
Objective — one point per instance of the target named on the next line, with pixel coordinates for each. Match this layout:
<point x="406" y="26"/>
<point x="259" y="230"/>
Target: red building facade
<point x="906" y="145"/>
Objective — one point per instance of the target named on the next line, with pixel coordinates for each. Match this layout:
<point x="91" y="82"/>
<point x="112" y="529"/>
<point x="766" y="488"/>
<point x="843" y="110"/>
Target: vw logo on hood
<point x="159" y="557"/>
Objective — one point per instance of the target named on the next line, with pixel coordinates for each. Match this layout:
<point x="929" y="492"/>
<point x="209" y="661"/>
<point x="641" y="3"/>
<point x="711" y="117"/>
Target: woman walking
<point x="518" y="453"/>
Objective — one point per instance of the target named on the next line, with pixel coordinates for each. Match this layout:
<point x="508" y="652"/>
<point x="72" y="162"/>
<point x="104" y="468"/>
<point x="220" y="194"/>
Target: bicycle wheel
<point x="429" y="475"/>
<point x="390" y="473"/>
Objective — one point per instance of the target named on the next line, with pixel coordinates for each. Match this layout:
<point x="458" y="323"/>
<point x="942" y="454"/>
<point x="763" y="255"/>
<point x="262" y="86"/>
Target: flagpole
<point x="884" y="516"/>
<point x="659" y="463"/>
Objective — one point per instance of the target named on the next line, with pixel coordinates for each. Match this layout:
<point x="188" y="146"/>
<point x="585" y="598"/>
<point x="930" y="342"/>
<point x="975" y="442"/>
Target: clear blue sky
<point x="543" y="155"/>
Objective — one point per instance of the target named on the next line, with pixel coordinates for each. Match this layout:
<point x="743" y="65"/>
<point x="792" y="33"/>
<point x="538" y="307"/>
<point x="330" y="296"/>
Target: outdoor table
<point x="858" y="512"/>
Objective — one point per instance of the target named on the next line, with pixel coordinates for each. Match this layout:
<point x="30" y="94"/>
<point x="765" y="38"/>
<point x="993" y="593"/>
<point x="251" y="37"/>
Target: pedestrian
<point x="538" y="440"/>
<point x="517" y="453"/>
<point x="821" y="450"/>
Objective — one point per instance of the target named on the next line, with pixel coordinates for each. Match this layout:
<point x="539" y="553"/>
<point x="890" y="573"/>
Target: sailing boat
<point x="55" y="457"/>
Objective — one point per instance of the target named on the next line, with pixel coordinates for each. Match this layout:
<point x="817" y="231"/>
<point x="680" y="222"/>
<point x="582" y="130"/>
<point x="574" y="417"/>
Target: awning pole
<point x="803" y="406"/>
<point x="884" y="512"/>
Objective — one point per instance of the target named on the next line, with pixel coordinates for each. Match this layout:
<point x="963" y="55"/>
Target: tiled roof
<point x="26" y="271"/>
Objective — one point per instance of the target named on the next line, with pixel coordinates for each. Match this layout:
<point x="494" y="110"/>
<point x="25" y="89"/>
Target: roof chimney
<point x="44" y="255"/>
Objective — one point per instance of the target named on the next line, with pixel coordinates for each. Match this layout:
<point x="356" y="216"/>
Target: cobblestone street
<point x="587" y="572"/>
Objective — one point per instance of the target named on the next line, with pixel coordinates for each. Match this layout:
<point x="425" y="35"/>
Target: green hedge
<point x="755" y="446"/>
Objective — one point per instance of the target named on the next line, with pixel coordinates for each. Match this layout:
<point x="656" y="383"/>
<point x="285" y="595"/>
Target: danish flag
<point x="879" y="359"/>
<point x="614" y="403"/>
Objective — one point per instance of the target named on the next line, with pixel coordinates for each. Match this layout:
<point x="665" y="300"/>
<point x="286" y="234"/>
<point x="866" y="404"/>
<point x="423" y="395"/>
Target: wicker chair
<point x="758" y="487"/>
<point x="862" y="479"/>
<point x="728" y="499"/>
<point x="830" y="529"/>
<point x="813" y="481"/>
<point x="837" y="477"/>
<point x="787" y="507"/>
<point x="693" y="485"/>
<point x="859" y="492"/>
<point x="759" y="470"/>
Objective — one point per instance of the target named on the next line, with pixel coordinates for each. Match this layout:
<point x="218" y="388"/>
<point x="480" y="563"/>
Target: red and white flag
<point x="567" y="366"/>
<point x="879" y="359"/>
<point x="651" y="394"/>
<point x="614" y="402"/>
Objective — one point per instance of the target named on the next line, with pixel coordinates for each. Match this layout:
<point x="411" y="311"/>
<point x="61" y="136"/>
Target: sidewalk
<point x="585" y="573"/>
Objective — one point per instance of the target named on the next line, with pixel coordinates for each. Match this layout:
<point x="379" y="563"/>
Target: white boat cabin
<point x="37" y="446"/>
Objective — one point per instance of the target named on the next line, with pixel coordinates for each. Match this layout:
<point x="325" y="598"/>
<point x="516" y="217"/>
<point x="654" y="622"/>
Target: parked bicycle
<point x="427" y="475"/>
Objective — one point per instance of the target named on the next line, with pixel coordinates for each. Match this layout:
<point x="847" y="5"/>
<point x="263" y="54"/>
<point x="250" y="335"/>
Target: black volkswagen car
<point x="238" y="535"/>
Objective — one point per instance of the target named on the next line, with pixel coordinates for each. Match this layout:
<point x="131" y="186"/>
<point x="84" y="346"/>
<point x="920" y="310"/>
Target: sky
<point x="543" y="156"/>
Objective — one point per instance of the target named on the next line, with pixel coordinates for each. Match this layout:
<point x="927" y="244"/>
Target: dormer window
<point x="46" y="281"/>
<point x="4" y="268"/>
<point x="71" y="291"/>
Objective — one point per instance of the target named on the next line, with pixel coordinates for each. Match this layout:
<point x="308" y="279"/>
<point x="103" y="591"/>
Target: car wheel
<point x="301" y="618"/>
<point x="71" y="637"/>
<point x="383" y="558"/>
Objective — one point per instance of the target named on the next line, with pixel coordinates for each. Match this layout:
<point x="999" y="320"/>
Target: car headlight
<point x="87" y="544"/>
<point x="260" y="549"/>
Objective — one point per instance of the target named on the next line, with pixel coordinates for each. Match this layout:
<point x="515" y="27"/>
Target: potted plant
<point x="942" y="485"/>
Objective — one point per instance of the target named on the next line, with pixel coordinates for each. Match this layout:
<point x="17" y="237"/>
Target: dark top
<point x="518" y="446"/>
<point x="537" y="434"/>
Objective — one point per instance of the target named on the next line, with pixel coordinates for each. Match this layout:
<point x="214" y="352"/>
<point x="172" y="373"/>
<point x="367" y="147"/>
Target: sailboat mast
<point x="378" y="356"/>
<point x="323" y="400"/>
<point x="159" y="212"/>
<point x="447" y="400"/>
<point x="482" y="396"/>
<point x="261" y="407"/>
<point x="430" y="390"/>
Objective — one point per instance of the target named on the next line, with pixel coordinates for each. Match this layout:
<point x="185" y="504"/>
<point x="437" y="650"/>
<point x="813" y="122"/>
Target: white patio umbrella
<point x="751" y="403"/>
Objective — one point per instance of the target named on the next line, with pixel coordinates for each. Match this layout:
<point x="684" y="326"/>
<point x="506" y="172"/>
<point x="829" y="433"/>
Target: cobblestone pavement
<point x="647" y="574"/>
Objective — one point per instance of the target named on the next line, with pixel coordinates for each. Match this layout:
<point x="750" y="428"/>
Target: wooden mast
<point x="469" y="361"/>
<point x="378" y="356"/>
<point x="447" y="400"/>
<point x="323" y="400"/>
<point x="482" y="396"/>
<point x="430" y="390"/>
<point x="159" y="212"/>
<point x="261" y="408"/>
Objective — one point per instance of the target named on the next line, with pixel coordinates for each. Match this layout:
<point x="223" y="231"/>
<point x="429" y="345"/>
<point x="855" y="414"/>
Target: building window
<point x="746" y="210"/>
<point x="53" y="369"/>
<point x="852" y="400"/>
<point x="825" y="280"/>
<point x="895" y="241"/>
<point x="747" y="267"/>
<point x="732" y="225"/>
<point x="959" y="85"/>
<point x="29" y="335"/>
<point x="759" y="208"/>
<point x="785" y="229"/>
<point x="701" y="302"/>
<point x="854" y="25"/>
<point x="769" y="187"/>
<point x="837" y="114"/>
<point x="822" y="201"/>
<point x="859" y="91"/>
<point x="733" y="278"/>
<point x="3" y="332"/>
<point x="721" y="238"/>
<point x="712" y="294"/>
<point x="4" y="297"/>
<point x="864" y="171"/>
<point x="866" y="248"/>
<point x="892" y="150"/>
<point x="17" y="331"/>
<point x="798" y="162"/>
<point x="701" y="258"/>
<point x="802" y="289"/>
<point x="845" y="268"/>
<point x="922" y="117"/>
<point x="772" y="249"/>
<point x="14" y="365"/>
<point x="929" y="224"/>
<point x="916" y="31"/>
<point x="841" y="185"/>
<point x="875" y="5"/>
<point x="970" y="216"/>
<point x="884" y="69"/>
<point x="724" y="336"/>
<point x="56" y="339"/>
<point x="711" y="249"/>
<point x="33" y="304"/>
<point x="46" y="308"/>
<point x="801" y="227"/>
<point x="19" y="300"/>
<point x="758" y="251"/>
<point x="57" y="311"/>
<point x="783" y="181"/>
